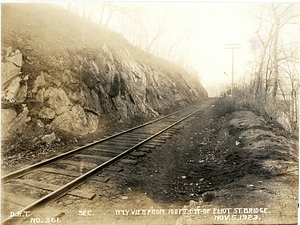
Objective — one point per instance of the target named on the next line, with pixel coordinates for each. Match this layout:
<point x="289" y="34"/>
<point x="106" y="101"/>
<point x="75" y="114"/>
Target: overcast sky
<point x="215" y="25"/>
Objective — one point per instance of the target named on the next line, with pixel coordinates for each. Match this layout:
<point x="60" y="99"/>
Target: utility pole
<point x="232" y="47"/>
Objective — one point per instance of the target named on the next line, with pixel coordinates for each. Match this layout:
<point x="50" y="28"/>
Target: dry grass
<point x="261" y="106"/>
<point x="225" y="106"/>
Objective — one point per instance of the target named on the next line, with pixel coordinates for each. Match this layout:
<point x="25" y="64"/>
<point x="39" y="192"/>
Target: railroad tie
<point x="163" y="138"/>
<point x="79" y="163"/>
<point x="150" y="145"/>
<point x="109" y="147"/>
<point x="145" y="149"/>
<point x="138" y="154"/>
<point x="122" y="142"/>
<point x="53" y="187"/>
<point x="102" y="149"/>
<point x="72" y="174"/>
<point x="115" y="169"/>
<point x="157" y="141"/>
<point x="104" y="158"/>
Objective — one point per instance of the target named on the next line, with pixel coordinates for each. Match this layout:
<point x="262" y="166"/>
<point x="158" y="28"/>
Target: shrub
<point x="225" y="106"/>
<point x="261" y="105"/>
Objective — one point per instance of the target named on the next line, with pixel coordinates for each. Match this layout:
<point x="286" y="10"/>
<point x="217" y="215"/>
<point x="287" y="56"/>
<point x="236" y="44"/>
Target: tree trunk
<point x="275" y="59"/>
<point x="261" y="64"/>
<point x="102" y="12"/>
<point x="109" y="17"/>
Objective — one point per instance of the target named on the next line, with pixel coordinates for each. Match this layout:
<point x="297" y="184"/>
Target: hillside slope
<point x="59" y="71"/>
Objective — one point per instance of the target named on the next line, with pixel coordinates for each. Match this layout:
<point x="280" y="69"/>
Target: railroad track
<point x="87" y="162"/>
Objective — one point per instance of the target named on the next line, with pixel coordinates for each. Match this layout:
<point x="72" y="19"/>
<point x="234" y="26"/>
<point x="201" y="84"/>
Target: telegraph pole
<point x="232" y="47"/>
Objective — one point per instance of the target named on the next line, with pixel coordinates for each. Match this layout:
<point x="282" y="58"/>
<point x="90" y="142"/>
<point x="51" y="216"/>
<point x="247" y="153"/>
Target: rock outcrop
<point x="74" y="96"/>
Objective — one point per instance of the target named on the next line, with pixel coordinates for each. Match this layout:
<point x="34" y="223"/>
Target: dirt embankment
<point x="231" y="169"/>
<point x="253" y="165"/>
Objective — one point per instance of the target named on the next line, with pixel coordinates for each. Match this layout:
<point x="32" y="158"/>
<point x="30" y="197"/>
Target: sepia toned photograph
<point x="157" y="113"/>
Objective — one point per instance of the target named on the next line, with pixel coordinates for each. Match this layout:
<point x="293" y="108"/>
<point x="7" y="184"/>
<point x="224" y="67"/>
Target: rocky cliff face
<point x="106" y="80"/>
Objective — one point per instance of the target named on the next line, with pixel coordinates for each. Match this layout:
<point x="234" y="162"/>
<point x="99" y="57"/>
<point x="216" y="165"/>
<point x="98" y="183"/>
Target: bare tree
<point x="89" y="9"/>
<point x="158" y="29"/>
<point x="272" y="19"/>
<point x="275" y="43"/>
<point x="153" y="35"/>
<point x="289" y="84"/>
<point x="279" y="60"/>
<point x="265" y="45"/>
<point x="101" y="14"/>
<point x="111" y="12"/>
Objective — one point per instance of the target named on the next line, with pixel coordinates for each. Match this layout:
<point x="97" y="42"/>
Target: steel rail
<point x="78" y="181"/>
<point x="30" y="168"/>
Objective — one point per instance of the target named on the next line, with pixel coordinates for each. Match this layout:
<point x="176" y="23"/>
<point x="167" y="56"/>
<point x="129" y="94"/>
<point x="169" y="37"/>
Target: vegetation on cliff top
<point x="51" y="38"/>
